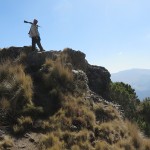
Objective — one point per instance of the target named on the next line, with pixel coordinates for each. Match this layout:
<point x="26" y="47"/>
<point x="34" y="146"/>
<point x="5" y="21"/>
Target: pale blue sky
<point x="114" y="34"/>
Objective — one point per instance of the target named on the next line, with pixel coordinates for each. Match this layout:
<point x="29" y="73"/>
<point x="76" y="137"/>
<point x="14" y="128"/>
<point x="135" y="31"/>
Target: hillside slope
<point x="56" y="100"/>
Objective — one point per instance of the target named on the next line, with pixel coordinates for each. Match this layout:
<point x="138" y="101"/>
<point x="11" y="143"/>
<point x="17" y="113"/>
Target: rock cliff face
<point x="98" y="77"/>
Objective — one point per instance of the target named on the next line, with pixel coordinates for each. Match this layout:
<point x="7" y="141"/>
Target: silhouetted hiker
<point x="34" y="34"/>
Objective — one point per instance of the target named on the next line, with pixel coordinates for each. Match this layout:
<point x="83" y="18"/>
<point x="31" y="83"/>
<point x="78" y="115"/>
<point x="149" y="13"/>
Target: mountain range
<point x="139" y="79"/>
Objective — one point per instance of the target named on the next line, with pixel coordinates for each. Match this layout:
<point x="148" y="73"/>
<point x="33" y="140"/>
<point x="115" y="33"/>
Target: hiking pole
<point x="30" y="23"/>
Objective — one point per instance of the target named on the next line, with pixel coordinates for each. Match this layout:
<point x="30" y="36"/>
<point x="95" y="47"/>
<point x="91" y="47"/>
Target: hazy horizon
<point x="129" y="69"/>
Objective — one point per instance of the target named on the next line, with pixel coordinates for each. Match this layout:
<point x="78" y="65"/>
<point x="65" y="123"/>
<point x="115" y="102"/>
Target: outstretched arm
<point x="30" y="23"/>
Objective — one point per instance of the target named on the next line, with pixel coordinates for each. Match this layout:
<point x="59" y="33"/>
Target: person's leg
<point x="33" y="43"/>
<point x="39" y="44"/>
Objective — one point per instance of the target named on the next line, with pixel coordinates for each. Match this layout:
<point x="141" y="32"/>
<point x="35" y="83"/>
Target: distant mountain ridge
<point x="139" y="79"/>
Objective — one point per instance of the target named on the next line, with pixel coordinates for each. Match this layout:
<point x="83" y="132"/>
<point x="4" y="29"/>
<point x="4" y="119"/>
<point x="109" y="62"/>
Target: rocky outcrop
<point x="98" y="77"/>
<point x="99" y="80"/>
<point x="77" y="59"/>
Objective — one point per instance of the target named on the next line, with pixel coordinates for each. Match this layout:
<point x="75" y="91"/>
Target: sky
<point x="114" y="34"/>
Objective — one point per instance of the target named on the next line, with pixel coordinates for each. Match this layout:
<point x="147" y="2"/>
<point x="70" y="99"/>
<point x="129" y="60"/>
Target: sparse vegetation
<point x="15" y="85"/>
<point x="57" y="75"/>
<point x="6" y="143"/>
<point x="102" y="145"/>
<point x="56" y="101"/>
<point x="23" y="124"/>
<point x="50" y="141"/>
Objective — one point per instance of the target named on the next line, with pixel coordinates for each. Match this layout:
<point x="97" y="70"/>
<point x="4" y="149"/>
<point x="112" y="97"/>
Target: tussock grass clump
<point x="58" y="76"/>
<point x="72" y="114"/>
<point x="125" y="144"/>
<point x="111" y="132"/>
<point x="56" y="81"/>
<point x="50" y="141"/>
<point x="74" y="123"/>
<point x="32" y="110"/>
<point x="135" y="140"/>
<point x="15" y="86"/>
<point x="105" y="113"/>
<point x="75" y="147"/>
<point x="6" y="143"/>
<point x="69" y="139"/>
<point x="146" y="144"/>
<point x="4" y="104"/>
<point x="23" y="124"/>
<point x="136" y="137"/>
<point x="77" y="140"/>
<point x="102" y="145"/>
<point x="80" y="114"/>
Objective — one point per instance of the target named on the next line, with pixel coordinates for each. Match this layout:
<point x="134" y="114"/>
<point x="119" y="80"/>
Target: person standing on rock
<point x="34" y="34"/>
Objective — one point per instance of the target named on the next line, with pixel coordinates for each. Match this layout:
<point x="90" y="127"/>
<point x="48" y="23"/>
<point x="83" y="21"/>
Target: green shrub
<point x="125" y="96"/>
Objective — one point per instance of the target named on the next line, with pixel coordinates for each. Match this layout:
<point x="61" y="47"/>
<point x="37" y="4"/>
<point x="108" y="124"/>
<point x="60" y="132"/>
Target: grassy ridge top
<point x="54" y="101"/>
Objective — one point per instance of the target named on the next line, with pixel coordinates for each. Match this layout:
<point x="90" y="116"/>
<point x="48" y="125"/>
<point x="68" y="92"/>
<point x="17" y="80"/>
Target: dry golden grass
<point x="59" y="122"/>
<point x="58" y="74"/>
<point x="102" y="145"/>
<point x="18" y="129"/>
<point x="69" y="139"/>
<point x="75" y="147"/>
<point x="146" y="144"/>
<point x="111" y="132"/>
<point x="4" y="104"/>
<point x="25" y="120"/>
<point x="134" y="132"/>
<point x="51" y="142"/>
<point x="32" y="110"/>
<point x="125" y="144"/>
<point x="15" y="85"/>
<point x="23" y="124"/>
<point x="80" y="114"/>
<point x="82" y="136"/>
<point x="105" y="113"/>
<point x="76" y="123"/>
<point x="85" y="145"/>
<point x="77" y="140"/>
<point x="6" y="143"/>
<point x="135" y="140"/>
